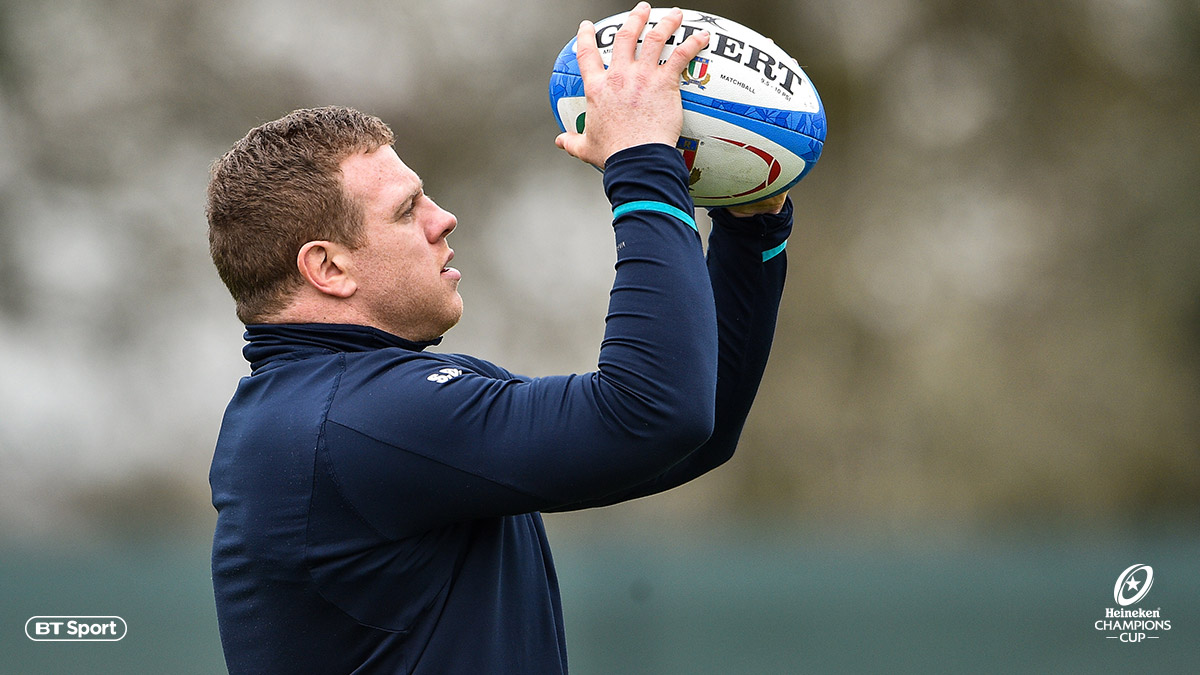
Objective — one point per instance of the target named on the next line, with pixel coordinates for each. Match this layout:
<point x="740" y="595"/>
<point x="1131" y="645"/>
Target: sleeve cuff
<point x="654" y="172"/>
<point x="769" y="230"/>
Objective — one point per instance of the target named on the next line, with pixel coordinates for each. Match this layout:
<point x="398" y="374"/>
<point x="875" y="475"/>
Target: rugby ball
<point x="753" y="124"/>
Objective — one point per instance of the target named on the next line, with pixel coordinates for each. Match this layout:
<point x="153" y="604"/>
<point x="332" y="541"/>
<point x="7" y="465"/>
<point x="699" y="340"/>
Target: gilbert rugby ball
<point x="753" y="124"/>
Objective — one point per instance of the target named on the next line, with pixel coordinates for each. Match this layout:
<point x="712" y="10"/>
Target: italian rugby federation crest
<point x="697" y="72"/>
<point x="689" y="147"/>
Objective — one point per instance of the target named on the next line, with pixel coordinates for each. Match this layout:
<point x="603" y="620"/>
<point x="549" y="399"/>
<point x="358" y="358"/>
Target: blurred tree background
<point x="994" y="303"/>
<point x="993" y="312"/>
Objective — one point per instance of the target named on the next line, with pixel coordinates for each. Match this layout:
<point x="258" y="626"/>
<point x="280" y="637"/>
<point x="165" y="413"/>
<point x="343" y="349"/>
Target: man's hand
<point x="636" y="100"/>
<point x="768" y="205"/>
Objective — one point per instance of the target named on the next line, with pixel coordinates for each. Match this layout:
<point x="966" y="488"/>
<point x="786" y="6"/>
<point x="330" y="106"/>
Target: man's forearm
<point x="747" y="267"/>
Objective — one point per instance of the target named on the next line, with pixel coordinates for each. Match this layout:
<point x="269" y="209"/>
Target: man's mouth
<point x="450" y="272"/>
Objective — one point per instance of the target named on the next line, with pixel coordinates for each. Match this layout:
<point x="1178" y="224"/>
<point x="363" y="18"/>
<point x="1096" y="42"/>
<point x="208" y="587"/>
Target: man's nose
<point x="442" y="224"/>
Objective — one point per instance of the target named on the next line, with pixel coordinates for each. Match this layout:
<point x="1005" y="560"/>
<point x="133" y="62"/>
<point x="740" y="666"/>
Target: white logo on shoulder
<point x="444" y="375"/>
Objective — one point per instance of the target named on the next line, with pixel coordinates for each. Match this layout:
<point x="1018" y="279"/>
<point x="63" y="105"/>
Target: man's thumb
<point x="568" y="140"/>
<point x="575" y="145"/>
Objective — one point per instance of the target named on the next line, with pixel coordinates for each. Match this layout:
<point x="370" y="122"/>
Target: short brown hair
<point x="279" y="188"/>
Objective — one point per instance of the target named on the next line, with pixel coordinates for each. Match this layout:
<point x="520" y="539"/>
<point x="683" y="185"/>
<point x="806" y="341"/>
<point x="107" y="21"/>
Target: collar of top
<point x="269" y="343"/>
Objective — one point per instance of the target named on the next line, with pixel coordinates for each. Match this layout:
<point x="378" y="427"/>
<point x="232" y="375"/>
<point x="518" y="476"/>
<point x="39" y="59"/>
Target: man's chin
<point x="453" y="316"/>
<point x="457" y="316"/>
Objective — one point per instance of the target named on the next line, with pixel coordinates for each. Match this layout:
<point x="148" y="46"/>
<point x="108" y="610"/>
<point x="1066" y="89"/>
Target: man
<point x="378" y="504"/>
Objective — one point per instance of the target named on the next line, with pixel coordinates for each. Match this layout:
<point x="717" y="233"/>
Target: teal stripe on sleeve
<point x="659" y="207"/>
<point x="771" y="253"/>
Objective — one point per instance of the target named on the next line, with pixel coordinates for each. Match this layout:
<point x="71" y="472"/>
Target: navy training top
<point x="378" y="504"/>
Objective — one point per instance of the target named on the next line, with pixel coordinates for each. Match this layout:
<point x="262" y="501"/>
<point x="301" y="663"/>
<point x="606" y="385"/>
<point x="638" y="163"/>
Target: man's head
<point x="305" y="224"/>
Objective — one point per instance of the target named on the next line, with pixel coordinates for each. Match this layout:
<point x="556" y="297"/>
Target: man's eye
<point x="412" y="206"/>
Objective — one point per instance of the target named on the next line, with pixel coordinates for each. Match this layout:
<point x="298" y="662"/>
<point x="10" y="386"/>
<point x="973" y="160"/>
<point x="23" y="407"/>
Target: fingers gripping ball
<point x="753" y="124"/>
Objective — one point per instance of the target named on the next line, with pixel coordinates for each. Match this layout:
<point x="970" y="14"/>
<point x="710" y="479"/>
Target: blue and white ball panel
<point x="805" y="123"/>
<point x="753" y="122"/>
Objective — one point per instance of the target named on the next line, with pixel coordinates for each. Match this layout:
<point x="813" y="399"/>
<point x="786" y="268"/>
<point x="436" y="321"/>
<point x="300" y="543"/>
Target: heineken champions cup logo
<point x="1133" y="625"/>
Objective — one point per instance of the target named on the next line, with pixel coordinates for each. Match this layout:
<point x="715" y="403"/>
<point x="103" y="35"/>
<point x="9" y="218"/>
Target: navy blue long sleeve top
<point x="378" y="504"/>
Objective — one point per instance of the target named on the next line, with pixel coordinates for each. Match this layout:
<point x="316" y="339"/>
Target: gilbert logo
<point x="1129" y="582"/>
<point x="1133" y="625"/>
<point x="75" y="628"/>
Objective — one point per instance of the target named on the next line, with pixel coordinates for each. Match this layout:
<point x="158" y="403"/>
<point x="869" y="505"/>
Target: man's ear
<point x="323" y="264"/>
